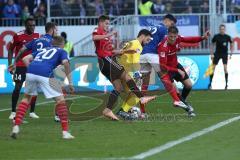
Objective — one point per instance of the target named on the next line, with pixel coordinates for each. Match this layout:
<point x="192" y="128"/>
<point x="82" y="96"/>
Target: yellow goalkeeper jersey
<point x="130" y="61"/>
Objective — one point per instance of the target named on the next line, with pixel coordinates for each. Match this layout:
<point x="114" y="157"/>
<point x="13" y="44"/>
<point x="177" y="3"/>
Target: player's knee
<point x="188" y="86"/>
<point x="60" y="100"/>
<point x="26" y="100"/>
<point x="225" y="69"/>
<point x="118" y="89"/>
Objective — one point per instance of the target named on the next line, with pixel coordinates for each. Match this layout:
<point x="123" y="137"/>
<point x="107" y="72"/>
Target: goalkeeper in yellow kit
<point x="130" y="60"/>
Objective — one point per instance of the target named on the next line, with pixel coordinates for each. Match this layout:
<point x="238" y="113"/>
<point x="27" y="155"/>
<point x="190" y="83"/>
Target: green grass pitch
<point x="101" y="138"/>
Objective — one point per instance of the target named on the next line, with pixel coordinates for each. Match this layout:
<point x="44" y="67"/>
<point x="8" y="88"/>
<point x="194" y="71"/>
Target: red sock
<point x="33" y="100"/>
<point x="21" y="111"/>
<point x="144" y="91"/>
<point x="62" y="112"/>
<point x="64" y="92"/>
<point x="169" y="87"/>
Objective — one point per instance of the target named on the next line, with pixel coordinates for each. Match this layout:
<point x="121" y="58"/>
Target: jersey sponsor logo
<point x="138" y="50"/>
<point x="191" y="68"/>
<point x="162" y="54"/>
<point x="173" y="53"/>
<point x="165" y="44"/>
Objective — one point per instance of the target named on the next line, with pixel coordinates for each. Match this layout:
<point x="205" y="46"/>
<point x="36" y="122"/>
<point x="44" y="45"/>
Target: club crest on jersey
<point x="162" y="54"/>
<point x="191" y="68"/>
<point x="138" y="50"/>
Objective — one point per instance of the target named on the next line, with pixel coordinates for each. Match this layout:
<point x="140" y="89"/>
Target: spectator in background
<point x="25" y="13"/>
<point x="2" y="4"/>
<point x="127" y="8"/>
<point x="38" y="3"/>
<point x="81" y="7"/>
<point x="11" y="10"/>
<point x="189" y="10"/>
<point x="204" y="8"/>
<point x="40" y="12"/>
<point x="68" y="46"/>
<point x="114" y="9"/>
<point x="236" y="6"/>
<point x="168" y="8"/>
<point x="146" y="7"/>
<point x="159" y="7"/>
<point x="98" y="7"/>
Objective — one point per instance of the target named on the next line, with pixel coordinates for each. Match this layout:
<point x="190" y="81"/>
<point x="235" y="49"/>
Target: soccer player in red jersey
<point x="19" y="76"/>
<point x="171" y="69"/>
<point x="110" y="68"/>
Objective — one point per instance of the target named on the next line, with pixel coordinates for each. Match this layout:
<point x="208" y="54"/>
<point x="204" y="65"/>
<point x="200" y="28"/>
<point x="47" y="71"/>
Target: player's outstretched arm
<point x="206" y="35"/>
<point x="195" y="39"/>
<point x="97" y="37"/>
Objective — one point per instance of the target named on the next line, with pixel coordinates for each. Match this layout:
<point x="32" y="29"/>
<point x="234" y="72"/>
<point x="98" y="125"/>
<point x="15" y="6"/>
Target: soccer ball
<point x="135" y="112"/>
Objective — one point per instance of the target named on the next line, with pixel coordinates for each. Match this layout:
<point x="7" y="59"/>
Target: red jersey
<point x="20" y="39"/>
<point x="104" y="47"/>
<point x="168" y="52"/>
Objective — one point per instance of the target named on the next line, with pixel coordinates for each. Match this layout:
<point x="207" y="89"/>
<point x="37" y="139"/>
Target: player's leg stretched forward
<point x="117" y="89"/>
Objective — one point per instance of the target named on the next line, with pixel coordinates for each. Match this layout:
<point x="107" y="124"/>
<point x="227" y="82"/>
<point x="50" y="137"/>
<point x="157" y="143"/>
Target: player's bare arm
<point x="100" y="37"/>
<point x="20" y="53"/>
<point x="10" y="57"/>
<point x="195" y="39"/>
<point x="27" y="59"/>
<point x="206" y="35"/>
<point x="68" y="74"/>
<point x="212" y="46"/>
<point x="231" y="49"/>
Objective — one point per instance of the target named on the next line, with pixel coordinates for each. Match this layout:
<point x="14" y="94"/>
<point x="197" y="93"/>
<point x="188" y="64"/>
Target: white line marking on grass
<point x="201" y="101"/>
<point x="171" y="144"/>
<point x="47" y="102"/>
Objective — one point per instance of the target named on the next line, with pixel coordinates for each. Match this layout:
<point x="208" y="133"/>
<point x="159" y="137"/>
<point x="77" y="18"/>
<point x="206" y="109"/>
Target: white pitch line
<point x="171" y="144"/>
<point x="47" y="102"/>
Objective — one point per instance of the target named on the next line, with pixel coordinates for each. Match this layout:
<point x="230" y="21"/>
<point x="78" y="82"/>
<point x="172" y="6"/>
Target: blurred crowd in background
<point x="83" y="8"/>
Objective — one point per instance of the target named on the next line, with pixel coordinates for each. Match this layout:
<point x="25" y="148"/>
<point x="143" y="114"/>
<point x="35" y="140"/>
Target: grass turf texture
<point x="101" y="138"/>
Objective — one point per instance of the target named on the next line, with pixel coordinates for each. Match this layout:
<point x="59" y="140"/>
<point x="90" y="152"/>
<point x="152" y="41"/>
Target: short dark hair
<point x="173" y="29"/>
<point x="103" y="18"/>
<point x="222" y="25"/>
<point x="144" y="32"/>
<point x="58" y="40"/>
<point x="50" y="25"/>
<point x="171" y="17"/>
<point x="29" y="19"/>
<point x="64" y="35"/>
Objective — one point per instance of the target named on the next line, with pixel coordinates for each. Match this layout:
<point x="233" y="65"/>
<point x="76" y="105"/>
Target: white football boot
<point x="12" y="115"/>
<point x="67" y="135"/>
<point x="33" y="115"/>
<point x="15" y="132"/>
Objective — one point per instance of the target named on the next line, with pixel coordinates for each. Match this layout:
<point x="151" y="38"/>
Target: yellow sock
<point x="130" y="101"/>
